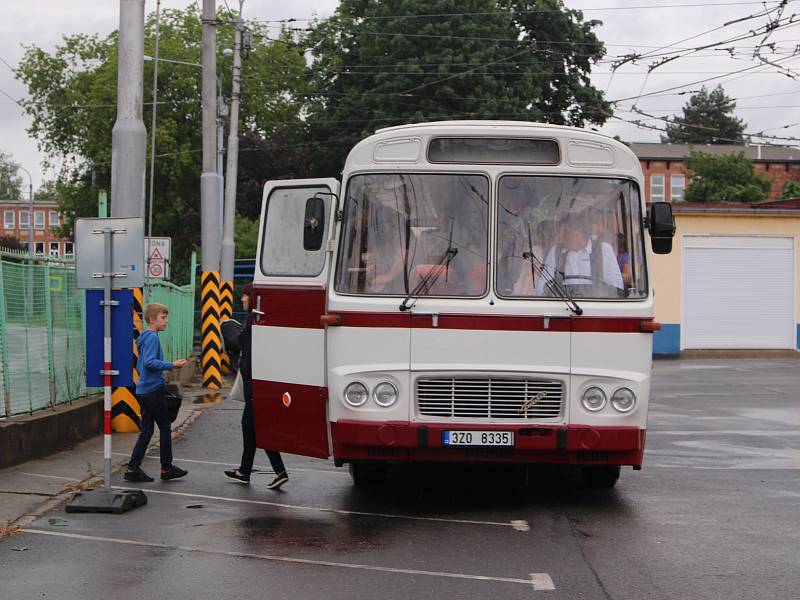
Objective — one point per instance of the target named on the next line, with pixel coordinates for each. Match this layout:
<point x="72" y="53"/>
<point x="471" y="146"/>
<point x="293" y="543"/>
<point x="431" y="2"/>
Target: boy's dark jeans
<point x="154" y="411"/>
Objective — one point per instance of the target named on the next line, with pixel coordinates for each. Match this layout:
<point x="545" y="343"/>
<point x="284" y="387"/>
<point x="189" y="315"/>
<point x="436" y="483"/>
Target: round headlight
<point x="385" y="394"/>
<point x="623" y="400"/>
<point x="356" y="394"/>
<point x="594" y="399"/>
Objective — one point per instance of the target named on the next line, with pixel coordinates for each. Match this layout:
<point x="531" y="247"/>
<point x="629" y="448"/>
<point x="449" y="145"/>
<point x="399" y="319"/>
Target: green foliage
<point x="379" y="63"/>
<point x="791" y="189"/>
<point x="724" y="178"/>
<point x="10" y="181"/>
<point x="72" y="103"/>
<point x="706" y="119"/>
<point x="246" y="235"/>
<point x="12" y="242"/>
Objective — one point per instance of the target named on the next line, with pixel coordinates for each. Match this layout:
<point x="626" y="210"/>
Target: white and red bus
<point x="470" y="291"/>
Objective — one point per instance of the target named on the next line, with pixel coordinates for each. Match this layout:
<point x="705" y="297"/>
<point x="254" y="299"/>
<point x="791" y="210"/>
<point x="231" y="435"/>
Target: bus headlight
<point x="594" y="399"/>
<point x="356" y="394"/>
<point x="623" y="400"/>
<point x="385" y="394"/>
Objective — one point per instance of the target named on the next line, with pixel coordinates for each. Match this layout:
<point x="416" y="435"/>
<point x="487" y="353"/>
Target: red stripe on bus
<point x="302" y="307"/>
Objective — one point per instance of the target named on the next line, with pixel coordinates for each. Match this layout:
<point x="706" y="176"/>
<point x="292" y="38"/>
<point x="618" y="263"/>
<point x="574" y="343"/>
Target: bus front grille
<point x="489" y="398"/>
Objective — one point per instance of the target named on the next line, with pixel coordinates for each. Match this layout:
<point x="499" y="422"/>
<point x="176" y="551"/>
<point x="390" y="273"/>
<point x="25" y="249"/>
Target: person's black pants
<point x="249" y="443"/>
<point x="154" y="412"/>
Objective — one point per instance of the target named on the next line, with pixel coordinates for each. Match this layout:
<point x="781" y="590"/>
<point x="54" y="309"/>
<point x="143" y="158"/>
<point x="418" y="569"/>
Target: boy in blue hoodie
<point x="150" y="393"/>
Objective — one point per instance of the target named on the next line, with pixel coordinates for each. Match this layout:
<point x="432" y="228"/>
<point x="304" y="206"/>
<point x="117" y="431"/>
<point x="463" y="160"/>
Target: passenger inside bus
<point x="584" y="267"/>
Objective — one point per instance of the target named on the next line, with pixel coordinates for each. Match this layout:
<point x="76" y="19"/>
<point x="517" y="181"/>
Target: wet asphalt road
<point x="713" y="515"/>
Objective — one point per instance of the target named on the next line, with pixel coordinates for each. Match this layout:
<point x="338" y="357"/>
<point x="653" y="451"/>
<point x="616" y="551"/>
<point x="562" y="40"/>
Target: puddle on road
<point x="707" y="454"/>
<point x="334" y="534"/>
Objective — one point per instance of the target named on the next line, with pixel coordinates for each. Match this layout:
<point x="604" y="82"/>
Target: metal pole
<point x="128" y="138"/>
<point x="211" y="343"/>
<point x="107" y="275"/>
<point x="228" y="244"/>
<point x="152" y="154"/>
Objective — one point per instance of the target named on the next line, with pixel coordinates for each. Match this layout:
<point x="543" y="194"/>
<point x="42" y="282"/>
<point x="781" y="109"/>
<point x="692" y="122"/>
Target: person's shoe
<point x="137" y="475"/>
<point x="172" y="473"/>
<point x="276" y="483"/>
<point x="238" y="476"/>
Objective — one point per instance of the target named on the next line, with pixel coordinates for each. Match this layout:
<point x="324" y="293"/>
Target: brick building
<point x="665" y="176"/>
<point x="45" y="216"/>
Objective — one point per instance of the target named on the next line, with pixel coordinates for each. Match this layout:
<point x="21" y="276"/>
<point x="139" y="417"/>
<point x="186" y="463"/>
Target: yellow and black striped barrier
<point x="210" y="338"/>
<point x="125" y="410"/>
<point x="225" y="313"/>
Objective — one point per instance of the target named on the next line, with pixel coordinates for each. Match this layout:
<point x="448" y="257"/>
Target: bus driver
<point x="587" y="268"/>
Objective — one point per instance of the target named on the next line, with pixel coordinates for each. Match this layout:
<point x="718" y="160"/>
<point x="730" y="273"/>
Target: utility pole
<point x="228" y="246"/>
<point x="128" y="136"/>
<point x="211" y="340"/>
<point x="128" y="148"/>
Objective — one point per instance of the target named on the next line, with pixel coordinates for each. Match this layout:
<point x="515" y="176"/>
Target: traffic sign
<point x="126" y="244"/>
<point x="157" y="250"/>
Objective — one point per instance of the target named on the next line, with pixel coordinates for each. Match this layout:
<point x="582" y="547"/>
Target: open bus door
<point x="291" y="275"/>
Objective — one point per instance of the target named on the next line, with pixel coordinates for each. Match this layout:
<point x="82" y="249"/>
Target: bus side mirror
<point x="314" y="224"/>
<point x="661" y="225"/>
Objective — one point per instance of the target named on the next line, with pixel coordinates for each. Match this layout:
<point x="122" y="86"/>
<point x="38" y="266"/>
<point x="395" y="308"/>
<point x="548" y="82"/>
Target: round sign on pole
<point x="156" y="269"/>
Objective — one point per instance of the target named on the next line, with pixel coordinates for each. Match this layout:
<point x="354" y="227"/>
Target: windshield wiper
<point x="430" y="278"/>
<point x="442" y="265"/>
<point x="555" y="286"/>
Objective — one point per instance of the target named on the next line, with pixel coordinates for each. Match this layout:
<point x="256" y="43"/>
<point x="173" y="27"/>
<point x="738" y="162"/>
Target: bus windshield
<point x="415" y="234"/>
<point x="576" y="236"/>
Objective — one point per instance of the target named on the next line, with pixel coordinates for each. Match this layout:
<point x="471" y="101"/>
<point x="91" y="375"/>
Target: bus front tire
<point x="601" y="477"/>
<point x="367" y="473"/>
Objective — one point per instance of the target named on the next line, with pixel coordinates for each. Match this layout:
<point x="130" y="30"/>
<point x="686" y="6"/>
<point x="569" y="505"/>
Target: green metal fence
<point x="42" y="329"/>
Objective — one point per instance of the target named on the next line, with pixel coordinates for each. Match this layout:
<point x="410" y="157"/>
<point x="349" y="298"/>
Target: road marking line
<point x="542" y="582"/>
<point x="537" y="579"/>
<point x="50" y="476"/>
<point x="318" y="508"/>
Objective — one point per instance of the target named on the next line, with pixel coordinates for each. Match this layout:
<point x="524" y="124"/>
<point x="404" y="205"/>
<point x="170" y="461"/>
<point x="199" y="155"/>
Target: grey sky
<point x="768" y="98"/>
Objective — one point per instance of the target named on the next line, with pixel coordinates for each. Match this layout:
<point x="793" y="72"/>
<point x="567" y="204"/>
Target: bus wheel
<point x="369" y="473"/>
<point x="602" y="478"/>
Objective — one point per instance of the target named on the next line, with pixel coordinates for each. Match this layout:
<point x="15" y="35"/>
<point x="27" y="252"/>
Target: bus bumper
<point x="403" y="441"/>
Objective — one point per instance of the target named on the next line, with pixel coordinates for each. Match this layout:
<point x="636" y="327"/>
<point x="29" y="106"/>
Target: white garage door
<point x="738" y="292"/>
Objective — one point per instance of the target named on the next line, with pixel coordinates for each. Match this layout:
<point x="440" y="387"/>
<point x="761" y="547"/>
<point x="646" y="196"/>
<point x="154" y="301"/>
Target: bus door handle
<point x="433" y="315"/>
<point x="257" y="310"/>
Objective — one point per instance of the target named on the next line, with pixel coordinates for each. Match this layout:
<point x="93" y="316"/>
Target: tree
<point x="72" y="103"/>
<point x="791" y="189"/>
<point x="388" y="62"/>
<point x="707" y="119"/>
<point x="246" y="237"/>
<point x="12" y="242"/>
<point x="724" y="178"/>
<point x="10" y="181"/>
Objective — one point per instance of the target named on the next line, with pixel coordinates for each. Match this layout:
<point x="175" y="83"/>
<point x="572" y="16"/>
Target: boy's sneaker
<point x="137" y="475"/>
<point x="278" y="481"/>
<point x="172" y="473"/>
<point x="238" y="476"/>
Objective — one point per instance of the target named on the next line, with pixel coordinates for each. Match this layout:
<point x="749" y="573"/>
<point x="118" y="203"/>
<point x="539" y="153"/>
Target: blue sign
<point x="121" y="338"/>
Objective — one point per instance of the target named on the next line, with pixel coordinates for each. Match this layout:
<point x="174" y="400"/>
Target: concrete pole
<point x="228" y="244"/>
<point x="128" y="138"/>
<point x="228" y="248"/>
<point x="128" y="157"/>
<point x="211" y="340"/>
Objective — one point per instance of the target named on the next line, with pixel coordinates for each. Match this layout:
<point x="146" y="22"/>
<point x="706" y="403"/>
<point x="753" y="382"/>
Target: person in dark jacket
<point x="150" y="390"/>
<point x="242" y="474"/>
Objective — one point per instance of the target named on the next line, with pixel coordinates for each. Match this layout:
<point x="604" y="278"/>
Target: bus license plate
<point x="478" y="438"/>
